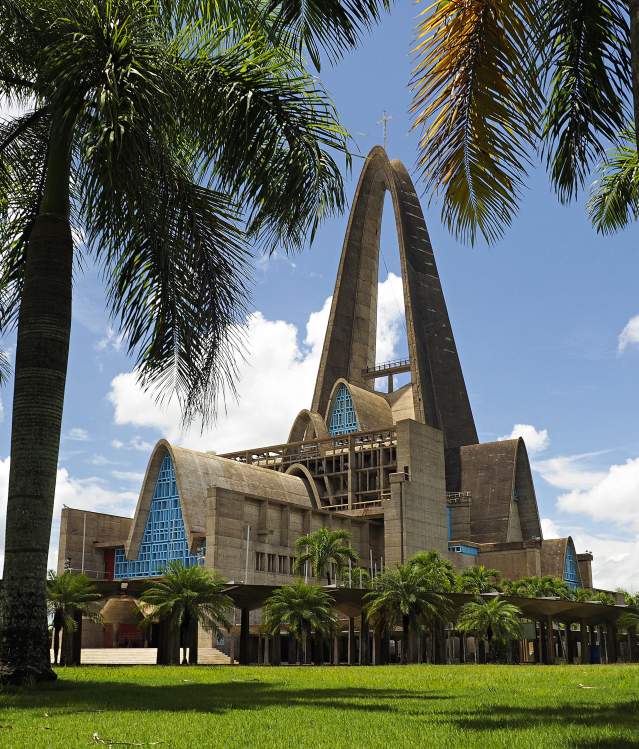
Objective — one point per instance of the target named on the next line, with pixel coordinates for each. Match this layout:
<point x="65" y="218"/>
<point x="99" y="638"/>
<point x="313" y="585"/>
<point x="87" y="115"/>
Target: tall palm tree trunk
<point x="56" y="643"/>
<point x="407" y="649"/>
<point x="44" y="327"/>
<point x="634" y="56"/>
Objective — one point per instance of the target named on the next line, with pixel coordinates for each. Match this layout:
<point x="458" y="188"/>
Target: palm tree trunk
<point x="634" y="56"/>
<point x="406" y="644"/>
<point x="44" y="327"/>
<point x="56" y="643"/>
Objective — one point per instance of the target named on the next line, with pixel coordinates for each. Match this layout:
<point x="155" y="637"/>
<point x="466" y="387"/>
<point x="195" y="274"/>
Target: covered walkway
<point x="556" y="630"/>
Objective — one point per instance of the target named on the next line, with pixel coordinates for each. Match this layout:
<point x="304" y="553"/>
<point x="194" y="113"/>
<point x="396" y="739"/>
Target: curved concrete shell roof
<point x="553" y="556"/>
<point x="371" y="408"/>
<point x="195" y="474"/>
<point x="308" y="425"/>
<point x="503" y="501"/>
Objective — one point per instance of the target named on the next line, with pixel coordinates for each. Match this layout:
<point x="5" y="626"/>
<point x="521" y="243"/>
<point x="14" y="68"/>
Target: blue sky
<point x="537" y="319"/>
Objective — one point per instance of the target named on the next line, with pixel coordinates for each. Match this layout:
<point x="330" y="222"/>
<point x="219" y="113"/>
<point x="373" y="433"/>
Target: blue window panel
<point x="463" y="549"/>
<point x="164" y="538"/>
<point x="571" y="568"/>
<point x="342" y="419"/>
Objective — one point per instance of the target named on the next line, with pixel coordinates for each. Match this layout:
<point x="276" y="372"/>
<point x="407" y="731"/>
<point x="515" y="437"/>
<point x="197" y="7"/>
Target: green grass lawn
<point x="411" y="706"/>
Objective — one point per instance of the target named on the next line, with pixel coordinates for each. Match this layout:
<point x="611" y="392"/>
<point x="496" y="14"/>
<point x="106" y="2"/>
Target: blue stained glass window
<point x="571" y="568"/>
<point x="342" y="419"/>
<point x="164" y="538"/>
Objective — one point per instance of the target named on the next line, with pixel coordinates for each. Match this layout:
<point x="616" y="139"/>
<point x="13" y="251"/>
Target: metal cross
<point x="386" y="118"/>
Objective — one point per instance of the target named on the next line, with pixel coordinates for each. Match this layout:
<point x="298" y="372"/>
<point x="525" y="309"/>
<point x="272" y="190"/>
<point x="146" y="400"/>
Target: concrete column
<point x="593" y="642"/>
<point x="352" y="644"/>
<point x="611" y="642"/>
<point x="583" y="637"/>
<point x="363" y="640"/>
<point x="276" y="650"/>
<point x="377" y="648"/>
<point x="244" y="637"/>
<point x="76" y="648"/>
<point x="193" y="644"/>
<point x="267" y="654"/>
<point x="570" y="644"/>
<point x="336" y="644"/>
<point x="550" y="642"/>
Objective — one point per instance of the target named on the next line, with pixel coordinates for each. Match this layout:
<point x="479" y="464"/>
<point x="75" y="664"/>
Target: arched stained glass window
<point x="164" y="538"/>
<point x="571" y="568"/>
<point x="342" y="419"/>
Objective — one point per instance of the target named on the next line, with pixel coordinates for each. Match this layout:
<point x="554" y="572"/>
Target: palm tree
<point x="614" y="199"/>
<point x="404" y="596"/>
<point x="439" y="572"/>
<point x="169" y="136"/>
<point x="491" y="619"/>
<point x="302" y="610"/>
<point x="582" y="595"/>
<point x="356" y="577"/>
<point x="628" y="598"/>
<point x="629" y="621"/>
<point x="538" y="587"/>
<point x="322" y="548"/>
<point x="186" y="597"/>
<point x="69" y="595"/>
<point x="478" y="580"/>
<point x="498" y="82"/>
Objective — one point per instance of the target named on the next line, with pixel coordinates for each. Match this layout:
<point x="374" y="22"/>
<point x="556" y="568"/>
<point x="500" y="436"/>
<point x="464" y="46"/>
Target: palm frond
<point x="5" y="368"/>
<point x="177" y="267"/>
<point x="476" y="103"/>
<point x="614" y="198"/>
<point x="191" y="594"/>
<point x="587" y="66"/>
<point x="268" y="132"/>
<point x="332" y="27"/>
<point x="23" y="150"/>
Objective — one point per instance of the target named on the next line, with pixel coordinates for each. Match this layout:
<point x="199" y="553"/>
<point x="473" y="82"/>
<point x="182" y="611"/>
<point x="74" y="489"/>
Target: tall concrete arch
<point x="439" y="391"/>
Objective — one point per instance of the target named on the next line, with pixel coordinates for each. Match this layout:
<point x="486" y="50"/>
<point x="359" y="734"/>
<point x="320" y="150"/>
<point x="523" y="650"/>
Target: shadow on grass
<point x="621" y="716"/>
<point x="73" y="697"/>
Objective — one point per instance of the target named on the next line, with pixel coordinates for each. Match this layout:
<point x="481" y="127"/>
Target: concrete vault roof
<point x="372" y="409"/>
<point x="497" y="474"/>
<point x="553" y="555"/>
<point x="196" y="473"/>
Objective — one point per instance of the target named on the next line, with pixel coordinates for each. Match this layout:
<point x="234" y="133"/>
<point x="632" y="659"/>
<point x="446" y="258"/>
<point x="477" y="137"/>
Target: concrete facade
<point x="409" y="476"/>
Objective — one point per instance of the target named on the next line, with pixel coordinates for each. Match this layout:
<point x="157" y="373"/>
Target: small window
<point x="282" y="565"/>
<point x="271" y="563"/>
<point x="260" y="561"/>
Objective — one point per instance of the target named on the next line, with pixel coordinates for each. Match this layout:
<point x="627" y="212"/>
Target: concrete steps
<point x="143" y="656"/>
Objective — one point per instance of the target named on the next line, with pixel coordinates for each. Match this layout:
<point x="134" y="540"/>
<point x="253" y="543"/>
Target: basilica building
<point x="401" y="468"/>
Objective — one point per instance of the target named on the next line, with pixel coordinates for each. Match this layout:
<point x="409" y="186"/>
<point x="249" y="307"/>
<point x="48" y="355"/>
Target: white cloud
<point x="391" y="324"/>
<point x="10" y="109"/>
<point x="77" y="434"/>
<point x="615" y="561"/>
<point x="536" y="440"/>
<point x="87" y="494"/>
<point x="549" y="528"/>
<point x="614" y="497"/>
<point x="133" y="476"/>
<point x="136" y="443"/>
<point x="100" y="460"/>
<point x="111" y="339"/>
<point x="569" y="471"/>
<point x="274" y="383"/>
<point x="630" y="334"/>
